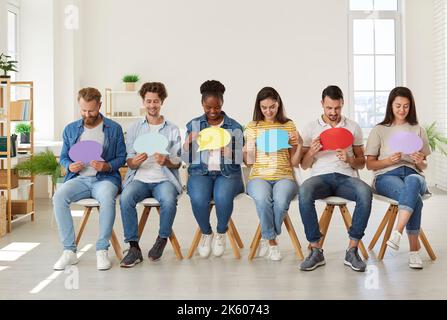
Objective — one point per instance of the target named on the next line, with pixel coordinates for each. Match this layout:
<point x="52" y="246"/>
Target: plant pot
<point x="25" y="138"/>
<point x="3" y="78"/>
<point x="130" y="86"/>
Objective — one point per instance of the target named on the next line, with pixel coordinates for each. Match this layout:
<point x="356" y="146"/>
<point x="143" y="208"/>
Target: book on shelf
<point x="20" y="110"/>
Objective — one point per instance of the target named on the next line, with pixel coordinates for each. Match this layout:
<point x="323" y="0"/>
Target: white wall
<point x="299" y="47"/>
<point x="3" y="26"/>
<point x="36" y="61"/>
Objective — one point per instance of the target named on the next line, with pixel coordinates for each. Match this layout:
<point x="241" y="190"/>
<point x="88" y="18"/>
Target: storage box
<point x="21" y="206"/>
<point x="2" y="216"/>
<point x="4" y="179"/>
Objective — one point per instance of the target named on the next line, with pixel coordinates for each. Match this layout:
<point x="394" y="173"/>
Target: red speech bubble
<point x="336" y="138"/>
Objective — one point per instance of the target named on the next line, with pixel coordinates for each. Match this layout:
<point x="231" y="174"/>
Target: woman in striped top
<point x="271" y="183"/>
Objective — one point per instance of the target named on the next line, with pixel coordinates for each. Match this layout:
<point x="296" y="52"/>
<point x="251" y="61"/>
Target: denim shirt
<point x="172" y="133"/>
<point x="198" y="161"/>
<point x="113" y="152"/>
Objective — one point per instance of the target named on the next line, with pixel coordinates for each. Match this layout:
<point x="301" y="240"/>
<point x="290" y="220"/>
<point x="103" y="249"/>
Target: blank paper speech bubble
<point x="151" y="143"/>
<point x="336" y="138"/>
<point x="405" y="142"/>
<point x="213" y="138"/>
<point x="273" y="140"/>
<point x="86" y="151"/>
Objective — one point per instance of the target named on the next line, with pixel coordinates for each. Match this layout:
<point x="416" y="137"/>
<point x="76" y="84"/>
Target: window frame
<point x="399" y="72"/>
<point x="14" y="7"/>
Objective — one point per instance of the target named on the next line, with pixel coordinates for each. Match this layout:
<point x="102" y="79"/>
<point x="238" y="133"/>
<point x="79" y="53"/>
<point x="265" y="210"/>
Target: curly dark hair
<point x="155" y="87"/>
<point x="212" y="88"/>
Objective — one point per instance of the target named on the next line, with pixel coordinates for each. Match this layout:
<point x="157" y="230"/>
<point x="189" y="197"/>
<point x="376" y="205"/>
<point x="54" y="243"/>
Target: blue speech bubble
<point x="273" y="140"/>
<point x="151" y="143"/>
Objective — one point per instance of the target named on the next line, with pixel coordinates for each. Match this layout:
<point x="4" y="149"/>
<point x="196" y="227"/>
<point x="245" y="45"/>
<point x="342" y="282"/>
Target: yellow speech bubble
<point x="213" y="138"/>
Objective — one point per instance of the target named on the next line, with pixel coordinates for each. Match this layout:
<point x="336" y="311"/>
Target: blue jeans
<point x="77" y="189"/>
<point x="221" y="189"/>
<point x="339" y="185"/>
<point x="136" y="191"/>
<point x="406" y="186"/>
<point x="272" y="199"/>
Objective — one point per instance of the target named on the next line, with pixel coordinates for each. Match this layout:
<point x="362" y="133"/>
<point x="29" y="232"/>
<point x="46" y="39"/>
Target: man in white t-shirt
<point x="334" y="173"/>
<point x="150" y="176"/>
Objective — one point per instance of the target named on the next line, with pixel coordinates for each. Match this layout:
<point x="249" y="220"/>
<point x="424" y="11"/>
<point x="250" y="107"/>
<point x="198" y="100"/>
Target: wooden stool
<point x="148" y="204"/>
<point x="295" y="242"/>
<point x="89" y="204"/>
<point x="388" y="222"/>
<point x="233" y="235"/>
<point x="326" y="217"/>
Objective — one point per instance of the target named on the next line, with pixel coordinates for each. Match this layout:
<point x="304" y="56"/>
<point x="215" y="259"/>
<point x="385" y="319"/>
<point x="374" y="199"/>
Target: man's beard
<point x="90" y="120"/>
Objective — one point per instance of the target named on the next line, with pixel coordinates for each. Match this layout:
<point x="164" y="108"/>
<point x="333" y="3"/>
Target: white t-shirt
<point x="214" y="156"/>
<point x="93" y="134"/>
<point x="150" y="171"/>
<point x="327" y="161"/>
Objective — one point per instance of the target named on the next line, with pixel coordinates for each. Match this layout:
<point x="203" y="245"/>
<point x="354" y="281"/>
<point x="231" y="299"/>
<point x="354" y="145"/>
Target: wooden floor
<point x="26" y="264"/>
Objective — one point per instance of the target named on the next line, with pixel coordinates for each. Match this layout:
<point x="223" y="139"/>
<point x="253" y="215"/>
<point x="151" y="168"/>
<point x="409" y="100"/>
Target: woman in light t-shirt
<point x="399" y="176"/>
<point x="271" y="183"/>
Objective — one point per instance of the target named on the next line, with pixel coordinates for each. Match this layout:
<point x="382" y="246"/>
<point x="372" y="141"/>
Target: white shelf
<point x="19" y="156"/>
<point x="122" y="92"/>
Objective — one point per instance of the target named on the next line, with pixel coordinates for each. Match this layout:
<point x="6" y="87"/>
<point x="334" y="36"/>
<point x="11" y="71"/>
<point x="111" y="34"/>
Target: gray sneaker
<point x="132" y="257"/>
<point x="353" y="260"/>
<point x="313" y="261"/>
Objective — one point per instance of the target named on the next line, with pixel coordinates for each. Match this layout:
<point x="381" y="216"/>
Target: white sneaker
<point x="68" y="258"/>
<point x="263" y="248"/>
<point x="394" y="240"/>
<point x="102" y="260"/>
<point x="205" y="245"/>
<point x="274" y="253"/>
<point x="219" y="244"/>
<point x="414" y="260"/>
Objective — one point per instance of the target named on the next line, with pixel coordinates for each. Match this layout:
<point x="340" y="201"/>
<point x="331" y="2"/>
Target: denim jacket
<point x="114" y="149"/>
<point x="198" y="161"/>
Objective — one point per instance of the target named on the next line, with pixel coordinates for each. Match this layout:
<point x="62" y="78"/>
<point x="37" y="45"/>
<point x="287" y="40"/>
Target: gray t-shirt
<point x="378" y="145"/>
<point x="93" y="134"/>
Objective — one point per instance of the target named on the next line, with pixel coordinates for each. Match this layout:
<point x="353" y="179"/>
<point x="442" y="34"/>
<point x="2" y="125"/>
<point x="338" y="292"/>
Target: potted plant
<point x="7" y="64"/>
<point x="43" y="164"/>
<point x="24" y="129"/>
<point x="130" y="80"/>
<point x="435" y="138"/>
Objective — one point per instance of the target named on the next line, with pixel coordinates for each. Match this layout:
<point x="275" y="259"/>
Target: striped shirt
<point x="270" y="165"/>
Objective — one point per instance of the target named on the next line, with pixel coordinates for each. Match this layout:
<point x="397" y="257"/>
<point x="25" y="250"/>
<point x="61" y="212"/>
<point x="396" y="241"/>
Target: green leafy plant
<point x="43" y="164"/>
<point x="23" y="128"/>
<point x="6" y="64"/>
<point x="131" y="78"/>
<point x="435" y="138"/>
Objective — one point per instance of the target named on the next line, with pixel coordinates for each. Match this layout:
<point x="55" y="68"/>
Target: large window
<point x="375" y="59"/>
<point x="13" y="33"/>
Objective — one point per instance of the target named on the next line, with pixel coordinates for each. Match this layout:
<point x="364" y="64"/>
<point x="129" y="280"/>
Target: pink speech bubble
<point x="405" y="142"/>
<point x="336" y="138"/>
<point x="86" y="151"/>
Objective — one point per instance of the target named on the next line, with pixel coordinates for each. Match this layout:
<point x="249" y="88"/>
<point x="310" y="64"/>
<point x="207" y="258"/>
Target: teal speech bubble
<point x="273" y="140"/>
<point x="151" y="143"/>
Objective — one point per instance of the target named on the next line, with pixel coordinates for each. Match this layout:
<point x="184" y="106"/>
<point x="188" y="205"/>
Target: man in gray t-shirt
<point x="334" y="173"/>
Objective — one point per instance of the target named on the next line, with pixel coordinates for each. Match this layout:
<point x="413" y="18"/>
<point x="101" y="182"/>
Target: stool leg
<point x="387" y="235"/>
<point x="143" y="220"/>
<point x="255" y="243"/>
<point x="348" y="223"/>
<point x="427" y="245"/>
<point x="84" y="220"/>
<point x="195" y="243"/>
<point x="116" y="246"/>
<point x="236" y="234"/>
<point x="234" y="245"/>
<point x="325" y="221"/>
<point x="295" y="242"/>
<point x="382" y="225"/>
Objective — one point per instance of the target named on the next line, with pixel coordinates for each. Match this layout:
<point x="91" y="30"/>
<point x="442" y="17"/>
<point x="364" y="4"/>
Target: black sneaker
<point x="157" y="250"/>
<point x="132" y="257"/>
<point x="314" y="260"/>
<point x="353" y="260"/>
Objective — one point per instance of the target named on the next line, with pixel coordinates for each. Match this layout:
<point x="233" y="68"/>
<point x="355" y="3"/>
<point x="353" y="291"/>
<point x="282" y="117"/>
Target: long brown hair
<point x="266" y="93"/>
<point x="389" y="115"/>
